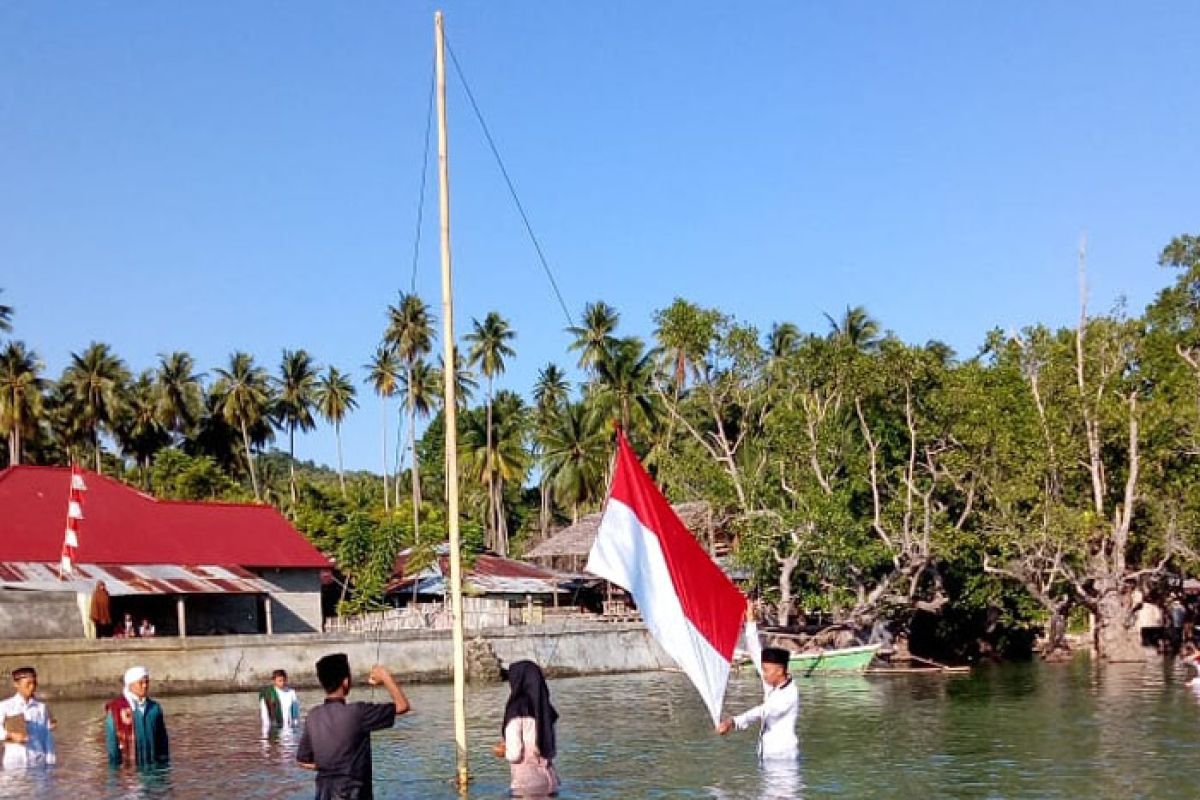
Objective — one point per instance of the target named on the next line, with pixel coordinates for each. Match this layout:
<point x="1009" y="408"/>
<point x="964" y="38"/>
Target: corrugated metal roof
<point x="488" y="575"/>
<point x="127" y="580"/>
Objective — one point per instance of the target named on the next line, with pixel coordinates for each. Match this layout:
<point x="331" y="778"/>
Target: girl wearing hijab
<point x="528" y="731"/>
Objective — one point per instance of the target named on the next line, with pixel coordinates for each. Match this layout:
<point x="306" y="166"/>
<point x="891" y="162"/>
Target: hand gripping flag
<point x="74" y="517"/>
<point x="690" y="606"/>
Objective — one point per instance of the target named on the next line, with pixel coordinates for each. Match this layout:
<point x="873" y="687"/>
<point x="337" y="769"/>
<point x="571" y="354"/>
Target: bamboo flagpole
<point x="449" y="375"/>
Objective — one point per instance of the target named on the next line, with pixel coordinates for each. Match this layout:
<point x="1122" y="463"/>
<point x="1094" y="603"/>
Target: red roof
<point x="124" y="526"/>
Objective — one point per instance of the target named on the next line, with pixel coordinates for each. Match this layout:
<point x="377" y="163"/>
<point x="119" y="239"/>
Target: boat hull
<point x="846" y="659"/>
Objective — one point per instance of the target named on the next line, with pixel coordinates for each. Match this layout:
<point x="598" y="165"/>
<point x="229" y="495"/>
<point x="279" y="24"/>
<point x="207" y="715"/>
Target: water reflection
<point x="1023" y="731"/>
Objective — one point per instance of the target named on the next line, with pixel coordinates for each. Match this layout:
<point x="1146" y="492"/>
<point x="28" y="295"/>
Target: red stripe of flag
<point x="709" y="598"/>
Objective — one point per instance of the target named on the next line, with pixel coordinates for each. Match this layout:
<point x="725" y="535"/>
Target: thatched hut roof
<point x="576" y="540"/>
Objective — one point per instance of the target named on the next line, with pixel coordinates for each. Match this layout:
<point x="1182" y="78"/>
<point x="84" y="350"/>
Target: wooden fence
<point x="478" y="613"/>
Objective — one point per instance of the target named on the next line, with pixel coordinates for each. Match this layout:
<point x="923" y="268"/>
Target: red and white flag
<point x="74" y="518"/>
<point x="690" y="606"/>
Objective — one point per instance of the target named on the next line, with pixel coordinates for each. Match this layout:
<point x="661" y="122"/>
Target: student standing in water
<point x="134" y="728"/>
<point x="27" y="724"/>
<point x="278" y="704"/>
<point x="337" y="735"/>
<point x="781" y="700"/>
<point x="529" y="743"/>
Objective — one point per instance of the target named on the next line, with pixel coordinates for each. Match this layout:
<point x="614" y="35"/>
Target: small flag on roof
<point x="74" y="516"/>
<point x="690" y="606"/>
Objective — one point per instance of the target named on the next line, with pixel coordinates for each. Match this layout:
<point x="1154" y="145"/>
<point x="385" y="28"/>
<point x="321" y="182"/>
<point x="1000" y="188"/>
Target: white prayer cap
<point x="135" y="674"/>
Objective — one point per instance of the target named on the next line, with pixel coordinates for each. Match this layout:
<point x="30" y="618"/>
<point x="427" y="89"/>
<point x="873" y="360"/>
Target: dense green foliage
<point x="1051" y="471"/>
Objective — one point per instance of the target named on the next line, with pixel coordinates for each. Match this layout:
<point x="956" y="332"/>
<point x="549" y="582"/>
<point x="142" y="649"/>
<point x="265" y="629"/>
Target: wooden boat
<point x="845" y="659"/>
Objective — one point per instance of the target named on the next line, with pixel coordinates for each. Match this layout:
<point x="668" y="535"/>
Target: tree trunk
<point x="491" y="480"/>
<point x="337" y="434"/>
<point x="96" y="442"/>
<point x="14" y="447"/>
<point x="1117" y="636"/>
<point x="386" y="497"/>
<point x="1056" y="631"/>
<point x="250" y="462"/>
<point x="786" y="567"/>
<point x="501" y="520"/>
<point x="292" y="462"/>
<point x="544" y="516"/>
<point x="416" y="479"/>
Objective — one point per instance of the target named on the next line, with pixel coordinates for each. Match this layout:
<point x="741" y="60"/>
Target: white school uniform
<point x="289" y="707"/>
<point x="778" y="712"/>
<point x="39" y="750"/>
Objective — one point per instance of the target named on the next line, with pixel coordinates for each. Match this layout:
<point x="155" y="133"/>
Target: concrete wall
<point x="82" y="668"/>
<point x="39" y="615"/>
<point x="296" y="603"/>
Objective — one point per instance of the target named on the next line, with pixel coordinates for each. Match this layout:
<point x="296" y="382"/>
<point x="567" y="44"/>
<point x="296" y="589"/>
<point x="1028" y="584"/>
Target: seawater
<point x="1013" y="731"/>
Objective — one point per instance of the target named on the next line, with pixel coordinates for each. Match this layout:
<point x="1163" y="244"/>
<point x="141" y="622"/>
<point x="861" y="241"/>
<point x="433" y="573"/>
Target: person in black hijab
<point x="529" y="742"/>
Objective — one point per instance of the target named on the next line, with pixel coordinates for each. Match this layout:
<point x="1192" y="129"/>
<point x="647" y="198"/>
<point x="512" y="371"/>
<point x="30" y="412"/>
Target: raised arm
<point x="381" y="677"/>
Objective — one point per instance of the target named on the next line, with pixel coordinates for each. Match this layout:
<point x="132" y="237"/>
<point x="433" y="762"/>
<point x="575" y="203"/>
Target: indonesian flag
<point x="74" y="517"/>
<point x="690" y="606"/>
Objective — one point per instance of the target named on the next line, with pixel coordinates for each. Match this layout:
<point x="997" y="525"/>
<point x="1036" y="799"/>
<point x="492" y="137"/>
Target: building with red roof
<point x="190" y="568"/>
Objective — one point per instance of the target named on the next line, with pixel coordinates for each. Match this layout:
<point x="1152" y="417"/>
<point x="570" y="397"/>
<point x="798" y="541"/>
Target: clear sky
<point x="228" y="175"/>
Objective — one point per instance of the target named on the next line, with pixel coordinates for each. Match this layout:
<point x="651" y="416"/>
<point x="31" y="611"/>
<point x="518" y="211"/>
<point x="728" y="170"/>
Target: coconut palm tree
<point x="783" y="340"/>
<point x="383" y="373"/>
<point x="594" y="337"/>
<point x="179" y="396"/>
<point x="6" y="315"/>
<point x="244" y="398"/>
<point x="856" y="328"/>
<point x="501" y="460"/>
<point x="550" y="396"/>
<point x="551" y="391"/>
<point x="625" y="384"/>
<point x="335" y="399"/>
<point x="94" y="386"/>
<point x="139" y="429"/>
<point x="420" y="386"/>
<point x="21" y="395"/>
<point x="575" y="451"/>
<point x="489" y="348"/>
<point x="410" y="332"/>
<point x="295" y="400"/>
<point x="213" y="436"/>
<point x="465" y="384"/>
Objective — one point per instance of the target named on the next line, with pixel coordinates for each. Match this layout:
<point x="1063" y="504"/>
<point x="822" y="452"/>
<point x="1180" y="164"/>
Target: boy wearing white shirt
<point x="27" y="724"/>
<point x="781" y="700"/>
<point x="278" y="704"/>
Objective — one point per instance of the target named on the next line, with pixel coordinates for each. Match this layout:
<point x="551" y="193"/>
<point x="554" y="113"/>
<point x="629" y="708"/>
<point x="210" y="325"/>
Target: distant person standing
<point x="134" y="728"/>
<point x="101" y="611"/>
<point x="337" y="735"/>
<point x="278" y="705"/>
<point x="146" y="630"/>
<point x="27" y="724"/>
<point x="529" y="743"/>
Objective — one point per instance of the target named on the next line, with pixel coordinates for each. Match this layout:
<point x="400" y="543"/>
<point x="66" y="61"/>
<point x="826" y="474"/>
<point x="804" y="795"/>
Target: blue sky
<point x="224" y="175"/>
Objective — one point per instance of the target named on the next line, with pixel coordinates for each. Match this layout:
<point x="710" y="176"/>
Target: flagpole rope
<point x="424" y="176"/>
<point x="512" y="190"/>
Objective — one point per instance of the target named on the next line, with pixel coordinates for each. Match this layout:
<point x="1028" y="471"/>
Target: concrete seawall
<point x="77" y="668"/>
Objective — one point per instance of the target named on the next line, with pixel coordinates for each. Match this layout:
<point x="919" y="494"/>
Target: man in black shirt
<point x="337" y="735"/>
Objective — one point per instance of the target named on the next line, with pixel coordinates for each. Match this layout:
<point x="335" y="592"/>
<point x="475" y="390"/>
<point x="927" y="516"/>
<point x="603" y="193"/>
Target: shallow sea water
<point x="1016" y="731"/>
